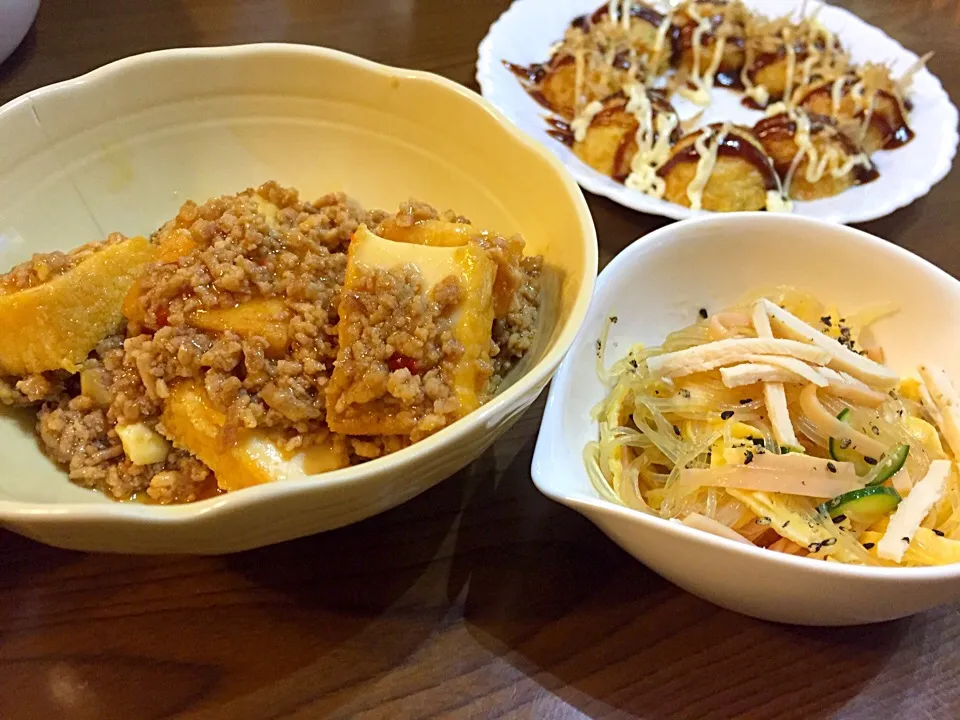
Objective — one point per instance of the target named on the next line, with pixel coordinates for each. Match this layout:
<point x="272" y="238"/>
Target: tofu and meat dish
<point x="258" y="337"/>
<point x="612" y="84"/>
<point x="775" y="423"/>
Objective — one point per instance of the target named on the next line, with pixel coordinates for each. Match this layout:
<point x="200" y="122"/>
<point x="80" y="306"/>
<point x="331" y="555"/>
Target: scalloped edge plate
<point x="528" y="28"/>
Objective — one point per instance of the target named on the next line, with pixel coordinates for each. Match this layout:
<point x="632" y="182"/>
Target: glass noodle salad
<point x="775" y="423"/>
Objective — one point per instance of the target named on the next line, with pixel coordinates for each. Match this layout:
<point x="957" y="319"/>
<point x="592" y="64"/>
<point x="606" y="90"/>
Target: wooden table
<point x="479" y="598"/>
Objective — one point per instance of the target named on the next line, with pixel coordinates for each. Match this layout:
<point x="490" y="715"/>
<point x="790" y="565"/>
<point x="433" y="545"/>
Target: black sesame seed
<point x="763" y="520"/>
<point x="747" y="457"/>
<point x="845" y="443"/>
<point x="676" y="431"/>
<point x="831" y="467"/>
<point x="614" y="319"/>
<point x="869" y="460"/>
<point x="874" y="429"/>
<point x="633" y="364"/>
<point x="786" y="523"/>
<point x="868" y="546"/>
<point x="906" y="540"/>
<point x="938" y="533"/>
<point x="726" y="414"/>
<point x="839" y="519"/>
<point x="746" y="401"/>
<point x="599" y="345"/>
<point x="684" y="393"/>
<point x="826" y="320"/>
<point x="703" y="313"/>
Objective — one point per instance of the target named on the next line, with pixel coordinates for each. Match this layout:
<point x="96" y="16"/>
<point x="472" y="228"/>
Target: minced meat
<point x="263" y="245"/>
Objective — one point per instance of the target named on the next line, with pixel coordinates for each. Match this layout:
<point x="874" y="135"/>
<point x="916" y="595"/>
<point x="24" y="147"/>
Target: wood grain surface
<point x="479" y="598"/>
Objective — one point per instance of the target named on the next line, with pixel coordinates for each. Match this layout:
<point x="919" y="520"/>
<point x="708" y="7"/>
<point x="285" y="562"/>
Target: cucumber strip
<point x="866" y="505"/>
<point x="838" y="452"/>
<point x="890" y="464"/>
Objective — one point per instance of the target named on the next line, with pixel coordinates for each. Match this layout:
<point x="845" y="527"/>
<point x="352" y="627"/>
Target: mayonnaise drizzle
<point x="579" y="62"/>
<point x="706" y="164"/>
<point x="582" y="121"/>
<point x="654" y="129"/>
<point x="700" y="94"/>
<point x="836" y="94"/>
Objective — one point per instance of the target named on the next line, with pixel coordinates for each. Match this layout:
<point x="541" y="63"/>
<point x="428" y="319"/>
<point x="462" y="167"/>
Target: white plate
<point x="657" y="285"/>
<point x="526" y="31"/>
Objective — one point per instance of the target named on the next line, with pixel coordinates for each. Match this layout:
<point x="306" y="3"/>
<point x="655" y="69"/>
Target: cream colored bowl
<point x="657" y="285"/>
<point x="121" y="148"/>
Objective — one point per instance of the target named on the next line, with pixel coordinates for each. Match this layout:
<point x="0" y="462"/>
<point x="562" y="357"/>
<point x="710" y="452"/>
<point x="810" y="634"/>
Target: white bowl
<point x="16" y="17"/>
<point x="656" y="285"/>
<point x="121" y="149"/>
<point x="528" y="28"/>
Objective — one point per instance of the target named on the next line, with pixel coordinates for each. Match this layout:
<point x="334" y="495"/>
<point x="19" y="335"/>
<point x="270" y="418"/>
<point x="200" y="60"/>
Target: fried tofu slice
<point x="264" y="317"/>
<point x="55" y="324"/>
<point x="415" y="333"/>
<point x="192" y="423"/>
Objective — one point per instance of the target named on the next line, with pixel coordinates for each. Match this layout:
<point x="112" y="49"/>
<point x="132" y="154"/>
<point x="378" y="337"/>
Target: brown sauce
<point x="531" y="74"/>
<point x="734" y="146"/>
<point x="560" y="130"/>
<point x="899" y="132"/>
<point x="530" y="78"/>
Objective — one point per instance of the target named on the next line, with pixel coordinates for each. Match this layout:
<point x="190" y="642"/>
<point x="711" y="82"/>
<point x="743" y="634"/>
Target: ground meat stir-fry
<point x="243" y="305"/>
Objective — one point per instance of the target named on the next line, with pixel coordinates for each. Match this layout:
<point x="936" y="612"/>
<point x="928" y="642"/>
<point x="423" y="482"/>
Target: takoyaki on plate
<point x="691" y="106"/>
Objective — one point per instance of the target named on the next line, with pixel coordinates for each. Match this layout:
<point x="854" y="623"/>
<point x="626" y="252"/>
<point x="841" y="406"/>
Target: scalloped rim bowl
<point x="657" y="285"/>
<point x="527" y="29"/>
<point x="122" y="147"/>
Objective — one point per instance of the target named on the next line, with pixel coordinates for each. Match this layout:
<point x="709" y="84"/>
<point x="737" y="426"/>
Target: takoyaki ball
<point x="725" y="20"/>
<point x="815" y="54"/>
<point x="831" y="162"/>
<point x="873" y="116"/>
<point x="643" y="36"/>
<point x="609" y="142"/>
<point x="556" y="83"/>
<point x="739" y="179"/>
<point x="557" y="86"/>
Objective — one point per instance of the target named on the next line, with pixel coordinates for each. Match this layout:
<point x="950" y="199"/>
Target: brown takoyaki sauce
<point x="560" y="130"/>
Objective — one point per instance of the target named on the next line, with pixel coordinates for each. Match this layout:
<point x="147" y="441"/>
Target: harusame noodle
<point x="690" y="445"/>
